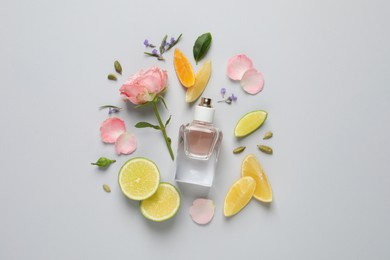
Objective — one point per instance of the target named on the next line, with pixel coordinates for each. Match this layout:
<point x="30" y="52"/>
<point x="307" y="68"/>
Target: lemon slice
<point x="163" y="205"/>
<point x="249" y="123"/>
<point x="139" y="178"/>
<point x="251" y="167"/>
<point x="239" y="195"/>
<point x="201" y="79"/>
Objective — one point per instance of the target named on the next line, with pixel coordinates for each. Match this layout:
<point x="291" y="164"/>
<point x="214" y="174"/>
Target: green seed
<point x="106" y="188"/>
<point x="265" y="149"/>
<point x="268" y="135"/>
<point x="118" y="67"/>
<point x="111" y="77"/>
<point x="239" y="149"/>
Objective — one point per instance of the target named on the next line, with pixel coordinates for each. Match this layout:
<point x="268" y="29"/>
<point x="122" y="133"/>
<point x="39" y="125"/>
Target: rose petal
<point x="252" y="82"/>
<point x="111" y="129"/>
<point x="125" y="144"/>
<point x="202" y="211"/>
<point x="237" y="65"/>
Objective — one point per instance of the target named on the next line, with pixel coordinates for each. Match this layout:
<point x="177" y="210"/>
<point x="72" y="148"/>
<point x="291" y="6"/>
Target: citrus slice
<point x="249" y="123"/>
<point x="239" y="194"/>
<point x="183" y="69"/>
<point x="163" y="205"/>
<point x="202" y="78"/>
<point x="139" y="178"/>
<point x="251" y="167"/>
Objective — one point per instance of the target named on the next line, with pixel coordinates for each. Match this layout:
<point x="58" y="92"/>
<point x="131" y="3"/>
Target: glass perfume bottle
<point x="198" y="147"/>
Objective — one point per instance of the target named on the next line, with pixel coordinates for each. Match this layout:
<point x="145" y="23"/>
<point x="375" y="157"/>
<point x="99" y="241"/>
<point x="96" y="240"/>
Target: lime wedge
<point x="139" y="178"/>
<point x="163" y="205"/>
<point x="249" y="123"/>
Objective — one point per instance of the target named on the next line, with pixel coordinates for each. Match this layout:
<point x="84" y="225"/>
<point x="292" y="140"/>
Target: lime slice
<point x="239" y="195"/>
<point x="201" y="79"/>
<point x="163" y="205"/>
<point x="139" y="178"/>
<point x="251" y="167"/>
<point x="249" y="123"/>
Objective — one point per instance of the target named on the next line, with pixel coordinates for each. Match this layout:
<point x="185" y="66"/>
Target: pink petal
<point x="131" y="92"/>
<point x="237" y="65"/>
<point x="202" y="211"/>
<point x="111" y="129"/>
<point x="125" y="144"/>
<point x="252" y="82"/>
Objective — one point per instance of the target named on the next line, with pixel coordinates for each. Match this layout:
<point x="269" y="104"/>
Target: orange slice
<point x="202" y="78"/>
<point x="183" y="69"/>
<point x="251" y="167"/>
<point x="239" y="194"/>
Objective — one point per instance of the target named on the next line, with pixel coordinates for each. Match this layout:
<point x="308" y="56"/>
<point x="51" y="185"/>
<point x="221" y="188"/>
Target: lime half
<point x="163" y="205"/>
<point x="250" y="122"/>
<point x="139" y="178"/>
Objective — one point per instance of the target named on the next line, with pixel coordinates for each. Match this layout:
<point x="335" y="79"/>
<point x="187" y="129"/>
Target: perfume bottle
<point x="198" y="147"/>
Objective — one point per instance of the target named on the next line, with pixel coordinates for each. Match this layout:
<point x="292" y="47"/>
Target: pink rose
<point x="145" y="85"/>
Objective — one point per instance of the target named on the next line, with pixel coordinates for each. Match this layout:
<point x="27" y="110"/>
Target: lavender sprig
<point x="147" y="44"/>
<point x="229" y="99"/>
<point x="173" y="42"/>
<point x="164" y="47"/>
<point x="223" y="92"/>
<point x="154" y="53"/>
<point x="111" y="109"/>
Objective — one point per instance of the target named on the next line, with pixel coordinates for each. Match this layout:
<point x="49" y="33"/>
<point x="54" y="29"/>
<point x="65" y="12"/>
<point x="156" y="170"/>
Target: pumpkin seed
<point x="239" y="149"/>
<point x="106" y="188"/>
<point x="268" y="135"/>
<point x="118" y="67"/>
<point x="265" y="149"/>
<point x="111" y="77"/>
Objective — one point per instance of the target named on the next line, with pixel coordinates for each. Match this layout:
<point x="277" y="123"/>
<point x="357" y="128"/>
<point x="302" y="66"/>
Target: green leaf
<point x="201" y="46"/>
<point x="169" y="119"/>
<point x="162" y="45"/>
<point x="146" y="124"/>
<point x="142" y="105"/>
<point x="163" y="101"/>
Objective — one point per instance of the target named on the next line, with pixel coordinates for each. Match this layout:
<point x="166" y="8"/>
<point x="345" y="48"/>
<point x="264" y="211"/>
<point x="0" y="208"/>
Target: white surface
<point x="326" y="66"/>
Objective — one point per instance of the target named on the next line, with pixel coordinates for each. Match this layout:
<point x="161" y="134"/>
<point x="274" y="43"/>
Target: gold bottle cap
<point x="205" y="102"/>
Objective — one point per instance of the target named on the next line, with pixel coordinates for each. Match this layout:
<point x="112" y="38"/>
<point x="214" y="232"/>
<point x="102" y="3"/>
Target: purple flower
<point x="146" y="43"/>
<point x="172" y="41"/>
<point x="112" y="110"/>
<point x="223" y="92"/>
<point x="155" y="52"/>
<point x="229" y="99"/>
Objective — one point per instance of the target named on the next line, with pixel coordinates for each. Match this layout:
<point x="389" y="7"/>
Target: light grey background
<point x="326" y="66"/>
